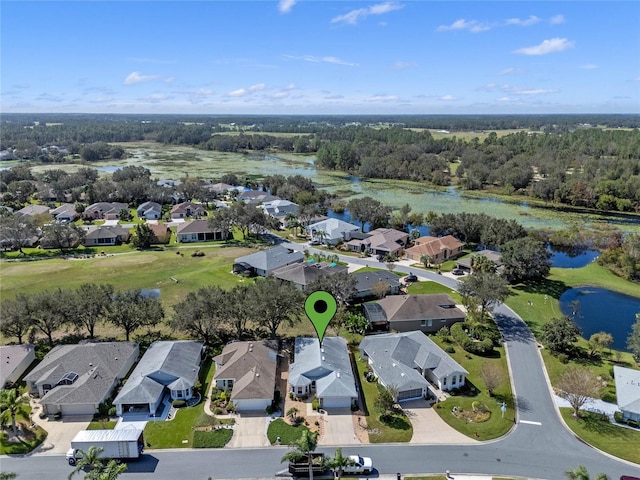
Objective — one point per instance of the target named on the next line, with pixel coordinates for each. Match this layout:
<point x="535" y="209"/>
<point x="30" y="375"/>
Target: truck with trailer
<point x="119" y="444"/>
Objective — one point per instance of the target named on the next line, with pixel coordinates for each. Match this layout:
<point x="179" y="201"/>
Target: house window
<point x="299" y="390"/>
<point x="444" y="381"/>
<point x="229" y="383"/>
<point x="430" y="323"/>
<point x="460" y="379"/>
<point x="423" y="323"/>
<point x="179" y="394"/>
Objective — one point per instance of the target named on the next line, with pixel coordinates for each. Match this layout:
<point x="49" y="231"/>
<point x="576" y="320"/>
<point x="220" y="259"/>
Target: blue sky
<point x="320" y="57"/>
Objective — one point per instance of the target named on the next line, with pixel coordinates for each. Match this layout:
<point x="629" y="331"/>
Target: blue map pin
<point x="320" y="307"/>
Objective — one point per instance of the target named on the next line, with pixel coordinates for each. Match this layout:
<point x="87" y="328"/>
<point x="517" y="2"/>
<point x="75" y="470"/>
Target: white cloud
<point x="472" y="25"/>
<point x="532" y="20"/>
<point x="257" y="87"/>
<point x="169" y="79"/>
<point x="281" y="94"/>
<point x="556" y="19"/>
<point x="242" y="92"/>
<point x="156" y="98"/>
<point x="448" y="98"/>
<point x="382" y="98"/>
<point x="547" y="46"/>
<point x="403" y="65"/>
<point x="526" y="91"/>
<point x="354" y="16"/>
<point x="136" y="77"/>
<point x="314" y="59"/>
<point x="334" y="97"/>
<point x="285" y="6"/>
<point x="510" y="71"/>
<point x="49" y="97"/>
<point x="505" y="99"/>
<point x="487" y="87"/>
<point x="589" y="66"/>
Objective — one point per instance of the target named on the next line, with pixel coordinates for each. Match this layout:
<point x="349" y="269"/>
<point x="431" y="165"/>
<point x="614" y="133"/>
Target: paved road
<point x="538" y="447"/>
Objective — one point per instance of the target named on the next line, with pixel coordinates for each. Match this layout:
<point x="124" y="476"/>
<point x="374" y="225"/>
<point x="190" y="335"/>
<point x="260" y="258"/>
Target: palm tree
<point x="338" y="462"/>
<point x="12" y="404"/>
<point x="293" y="413"/>
<point x="303" y="448"/>
<point x="110" y="471"/>
<point x="425" y="260"/>
<point x="89" y="460"/>
<point x="581" y="473"/>
<point x="320" y="235"/>
<point x="8" y="475"/>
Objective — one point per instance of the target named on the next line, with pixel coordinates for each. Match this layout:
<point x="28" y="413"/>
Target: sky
<point x="320" y="57"/>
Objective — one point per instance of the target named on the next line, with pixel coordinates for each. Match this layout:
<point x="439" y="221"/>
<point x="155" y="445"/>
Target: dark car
<point x="410" y="278"/>
<point x="457" y="271"/>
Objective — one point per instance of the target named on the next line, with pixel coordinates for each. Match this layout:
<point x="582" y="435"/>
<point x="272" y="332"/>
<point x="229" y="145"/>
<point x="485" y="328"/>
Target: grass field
<point x="287" y="433"/>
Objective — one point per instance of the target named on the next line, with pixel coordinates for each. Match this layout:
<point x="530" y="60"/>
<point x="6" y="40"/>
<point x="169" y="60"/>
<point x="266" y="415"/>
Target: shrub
<point x="57" y="416"/>
<point x="354" y="407"/>
<point x="197" y="253"/>
<point x="632" y="423"/>
<point x="217" y="411"/>
<point x="315" y="404"/>
<point x="450" y="349"/>
<point x="112" y="412"/>
<point x="42" y="415"/>
<point x="179" y="404"/>
<point x="618" y="417"/>
<point x="269" y="410"/>
<point x="563" y="358"/>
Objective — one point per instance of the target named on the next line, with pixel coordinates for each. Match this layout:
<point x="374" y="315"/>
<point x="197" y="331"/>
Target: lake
<point x="571" y="257"/>
<point x="599" y="309"/>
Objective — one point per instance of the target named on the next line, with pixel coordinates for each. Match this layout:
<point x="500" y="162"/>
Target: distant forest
<point x="588" y="161"/>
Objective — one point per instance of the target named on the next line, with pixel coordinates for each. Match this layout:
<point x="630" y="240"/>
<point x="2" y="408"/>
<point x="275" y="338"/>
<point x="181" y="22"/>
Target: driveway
<point x="338" y="428"/>
<point x="429" y="428"/>
<point x="60" y="432"/>
<point x="250" y="431"/>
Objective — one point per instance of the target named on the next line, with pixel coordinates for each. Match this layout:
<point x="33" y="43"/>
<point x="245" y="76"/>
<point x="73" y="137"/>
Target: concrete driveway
<point x="338" y="428"/>
<point x="429" y="428"/>
<point x="60" y="432"/>
<point x="250" y="431"/>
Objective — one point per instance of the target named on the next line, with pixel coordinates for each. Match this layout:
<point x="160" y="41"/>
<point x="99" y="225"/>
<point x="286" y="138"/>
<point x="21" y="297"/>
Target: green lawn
<point x="379" y="432"/>
<point x="618" y="441"/>
<point x="495" y="426"/>
<point x="29" y="441"/>
<point x="102" y="424"/>
<point x="431" y="288"/>
<point x="179" y="432"/>
<point x="287" y="433"/>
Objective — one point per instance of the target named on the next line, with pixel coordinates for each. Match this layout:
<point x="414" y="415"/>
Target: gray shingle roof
<point x="195" y="226"/>
<point x="627" y="388"/>
<point x="163" y="363"/>
<point x="412" y="307"/>
<point x="97" y="366"/>
<point x="334" y="228"/>
<point x="10" y="357"/>
<point x="395" y="357"/>
<point x="272" y="258"/>
<point x="366" y="280"/>
<point x="329" y="366"/>
<point x="306" y="273"/>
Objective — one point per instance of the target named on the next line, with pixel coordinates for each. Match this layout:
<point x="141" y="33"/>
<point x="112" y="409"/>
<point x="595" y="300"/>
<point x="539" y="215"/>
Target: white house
<point x="14" y="361"/>
<point x="628" y="392"/>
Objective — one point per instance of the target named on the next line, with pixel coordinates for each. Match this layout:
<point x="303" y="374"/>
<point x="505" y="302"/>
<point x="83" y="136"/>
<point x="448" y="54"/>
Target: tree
<point x="12" y="404"/>
<point x="92" y="303"/>
<point x="51" y="310"/>
<point x="633" y="340"/>
<point x="131" y="310"/>
<point x="581" y="473"/>
<point x="489" y="289"/>
<point x="89" y="460"/>
<point x="369" y="210"/>
<point x="201" y="314"/>
<point x="16" y="317"/>
<point x="492" y="376"/>
<point x="8" y="475"/>
<point x="338" y="462"/>
<point x="341" y="285"/>
<point x="274" y="302"/>
<point x="579" y="385"/>
<point x="303" y="448"/>
<point x="143" y="236"/>
<point x="426" y="260"/>
<point x="525" y="259"/>
<point x="110" y="471"/>
<point x="560" y="334"/>
<point x="18" y="231"/>
<point x="380" y="289"/>
<point x="62" y="236"/>
<point x="386" y="400"/>
<point x="482" y="264"/>
<point x="357" y="323"/>
<point x="599" y="341"/>
<point x="292" y="413"/>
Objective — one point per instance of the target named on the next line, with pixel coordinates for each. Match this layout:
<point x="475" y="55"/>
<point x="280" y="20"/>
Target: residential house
<point x="186" y="210"/>
<point x="76" y="379"/>
<point x="627" y="383"/>
<point x="304" y="274"/>
<point x="199" y="231"/>
<point x="106" y="235"/>
<point x="437" y="249"/>
<point x="333" y="231"/>
<point x="264" y="262"/>
<point x="167" y="183"/>
<point x="149" y="211"/>
<point x="14" y="361"/>
<point x="255" y="197"/>
<point x="405" y="313"/>
<point x="324" y="371"/>
<point x="410" y="362"/>
<point x="248" y="369"/>
<point x="381" y="241"/>
<point x="104" y="210"/>
<point x="495" y="257"/>
<point x="368" y="283"/>
<point x="219" y="188"/>
<point x="168" y="369"/>
<point x="161" y="233"/>
<point x="65" y="213"/>
<point x="279" y="209"/>
<point x="31" y="210"/>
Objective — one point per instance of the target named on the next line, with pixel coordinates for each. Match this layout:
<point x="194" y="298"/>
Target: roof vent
<point x="257" y="374"/>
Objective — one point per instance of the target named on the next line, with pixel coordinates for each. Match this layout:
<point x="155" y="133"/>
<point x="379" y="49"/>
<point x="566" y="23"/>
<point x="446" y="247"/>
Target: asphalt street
<point x="539" y="445"/>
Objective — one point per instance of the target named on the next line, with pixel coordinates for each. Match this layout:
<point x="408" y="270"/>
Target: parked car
<point x="410" y="278"/>
<point x="457" y="271"/>
<point x="359" y="465"/>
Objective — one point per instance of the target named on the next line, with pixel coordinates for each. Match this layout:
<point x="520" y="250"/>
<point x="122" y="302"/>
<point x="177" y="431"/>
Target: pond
<point x="571" y="257"/>
<point x="598" y="309"/>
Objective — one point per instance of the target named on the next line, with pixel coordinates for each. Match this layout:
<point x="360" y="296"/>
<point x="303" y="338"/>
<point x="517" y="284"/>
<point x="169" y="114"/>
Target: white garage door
<point x="78" y="409"/>
<point x="336" y="402"/>
<point x="252" y="404"/>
